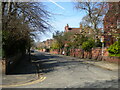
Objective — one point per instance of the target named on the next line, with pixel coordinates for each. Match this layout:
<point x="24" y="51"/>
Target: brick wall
<point x="54" y="51"/>
<point x="96" y="54"/>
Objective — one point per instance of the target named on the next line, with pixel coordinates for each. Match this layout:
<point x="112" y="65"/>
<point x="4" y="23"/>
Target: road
<point x="70" y="72"/>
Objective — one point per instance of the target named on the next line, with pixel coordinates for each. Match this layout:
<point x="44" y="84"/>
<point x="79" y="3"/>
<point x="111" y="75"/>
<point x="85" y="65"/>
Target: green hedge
<point x="88" y="45"/>
<point x="114" y="50"/>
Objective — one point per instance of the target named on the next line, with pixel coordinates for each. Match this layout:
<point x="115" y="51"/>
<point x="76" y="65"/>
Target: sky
<point x="62" y="14"/>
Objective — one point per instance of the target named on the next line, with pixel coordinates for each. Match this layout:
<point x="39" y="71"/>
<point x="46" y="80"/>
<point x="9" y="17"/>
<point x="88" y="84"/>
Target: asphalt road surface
<point x="70" y="72"/>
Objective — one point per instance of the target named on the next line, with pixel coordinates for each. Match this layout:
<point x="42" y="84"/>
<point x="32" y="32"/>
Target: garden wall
<point x="96" y="54"/>
<point x="54" y="51"/>
<point x="10" y="64"/>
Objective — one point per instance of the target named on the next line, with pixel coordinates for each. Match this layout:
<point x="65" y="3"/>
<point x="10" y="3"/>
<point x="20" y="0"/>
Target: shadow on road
<point x="47" y="63"/>
<point x="24" y="66"/>
<point x="42" y="63"/>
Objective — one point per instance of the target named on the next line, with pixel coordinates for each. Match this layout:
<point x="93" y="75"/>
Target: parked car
<point x="32" y="51"/>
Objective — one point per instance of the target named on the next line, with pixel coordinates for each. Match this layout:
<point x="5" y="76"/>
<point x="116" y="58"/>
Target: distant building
<point x="88" y="31"/>
<point x="74" y="30"/>
<point x="46" y="44"/>
<point x="82" y="30"/>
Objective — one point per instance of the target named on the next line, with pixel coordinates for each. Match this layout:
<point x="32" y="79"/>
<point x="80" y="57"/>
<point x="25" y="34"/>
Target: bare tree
<point x="94" y="12"/>
<point x="33" y="14"/>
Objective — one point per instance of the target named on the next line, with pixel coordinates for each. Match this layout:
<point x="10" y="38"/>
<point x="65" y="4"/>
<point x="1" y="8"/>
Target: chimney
<point x="81" y="26"/>
<point x="66" y="28"/>
<point x="67" y="25"/>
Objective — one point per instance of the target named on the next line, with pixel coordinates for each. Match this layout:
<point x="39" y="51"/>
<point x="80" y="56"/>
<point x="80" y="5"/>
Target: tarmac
<point x="99" y="63"/>
<point x="104" y="64"/>
<point x="28" y="74"/>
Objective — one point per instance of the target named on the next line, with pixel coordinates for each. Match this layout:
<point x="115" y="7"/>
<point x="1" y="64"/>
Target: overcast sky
<point x="63" y="13"/>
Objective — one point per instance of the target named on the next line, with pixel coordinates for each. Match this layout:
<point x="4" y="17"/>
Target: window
<point x="69" y="28"/>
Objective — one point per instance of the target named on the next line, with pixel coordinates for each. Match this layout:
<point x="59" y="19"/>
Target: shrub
<point x="88" y="45"/>
<point x="114" y="49"/>
<point x="55" y="45"/>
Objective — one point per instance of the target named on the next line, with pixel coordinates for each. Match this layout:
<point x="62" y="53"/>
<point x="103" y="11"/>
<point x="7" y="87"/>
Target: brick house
<point x="80" y="30"/>
<point x="74" y="30"/>
<point x="48" y="43"/>
<point x="45" y="45"/>
<point x="112" y="23"/>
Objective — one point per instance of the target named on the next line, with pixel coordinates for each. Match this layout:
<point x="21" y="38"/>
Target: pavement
<point x="104" y="64"/>
<point x="58" y="71"/>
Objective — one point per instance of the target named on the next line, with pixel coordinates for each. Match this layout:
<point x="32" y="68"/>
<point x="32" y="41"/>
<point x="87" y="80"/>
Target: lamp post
<point x="102" y="40"/>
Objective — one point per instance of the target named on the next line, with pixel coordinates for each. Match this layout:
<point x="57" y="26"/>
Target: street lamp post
<point x="102" y="40"/>
<point x="102" y="48"/>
